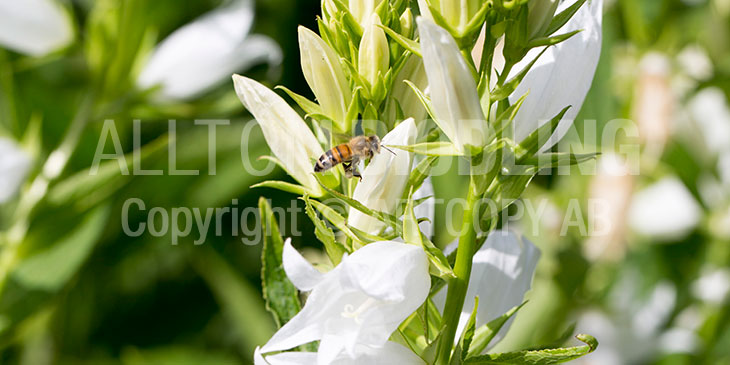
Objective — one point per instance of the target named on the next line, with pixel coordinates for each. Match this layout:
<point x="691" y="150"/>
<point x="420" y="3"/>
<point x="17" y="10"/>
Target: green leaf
<point x="532" y="143"/>
<point x="281" y="297"/>
<point x="309" y="107"/>
<point x="52" y="268"/>
<point x="551" y="41"/>
<point x="509" y="87"/>
<point x="562" y="18"/>
<point x="334" y="249"/>
<point x="439" y="263"/>
<point x="462" y="348"/>
<point x="484" y="334"/>
<point x="432" y="149"/>
<point x="539" y="357"/>
<point x="406" y="43"/>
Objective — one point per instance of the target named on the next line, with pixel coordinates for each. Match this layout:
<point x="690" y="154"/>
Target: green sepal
<point x="557" y="159"/>
<point x="309" y="107"/>
<point x="285" y="186"/>
<point x="425" y="100"/>
<point x="509" y="87"/>
<point x="485" y="334"/>
<point x="462" y="348"/>
<point x="389" y="219"/>
<point x="432" y="149"/>
<point x="403" y="41"/>
<point x="532" y="143"/>
<point x="563" y="17"/>
<point x="551" y="41"/>
<point x="324" y="234"/>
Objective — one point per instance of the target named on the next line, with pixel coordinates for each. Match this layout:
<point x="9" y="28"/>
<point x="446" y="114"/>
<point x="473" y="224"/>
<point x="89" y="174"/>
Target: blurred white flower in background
<point x="695" y="62"/>
<point x="205" y="52"/>
<point x="611" y="191"/>
<point x="665" y="210"/>
<point x="354" y="308"/>
<point x="634" y="327"/>
<point x="34" y="27"/>
<point x="14" y="166"/>
<point x="713" y="286"/>
<point x="710" y="111"/>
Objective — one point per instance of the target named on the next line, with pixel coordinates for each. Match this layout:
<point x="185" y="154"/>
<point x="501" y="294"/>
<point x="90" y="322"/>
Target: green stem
<point x="457" y="286"/>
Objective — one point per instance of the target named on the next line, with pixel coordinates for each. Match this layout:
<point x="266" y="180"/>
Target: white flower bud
<point x="325" y="76"/>
<point x="285" y="132"/>
<point x="453" y="90"/>
<point x="374" y="55"/>
<point x="539" y="15"/>
<point x="361" y="10"/>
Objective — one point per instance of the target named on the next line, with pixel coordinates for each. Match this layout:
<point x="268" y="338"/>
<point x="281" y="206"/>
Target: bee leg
<point x="355" y="172"/>
<point x="348" y="169"/>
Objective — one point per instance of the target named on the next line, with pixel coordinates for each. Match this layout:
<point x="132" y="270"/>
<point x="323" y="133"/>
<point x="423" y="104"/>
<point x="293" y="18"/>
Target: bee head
<point x="374" y="143"/>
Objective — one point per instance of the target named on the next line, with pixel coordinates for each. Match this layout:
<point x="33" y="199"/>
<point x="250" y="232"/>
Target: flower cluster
<point x="494" y="82"/>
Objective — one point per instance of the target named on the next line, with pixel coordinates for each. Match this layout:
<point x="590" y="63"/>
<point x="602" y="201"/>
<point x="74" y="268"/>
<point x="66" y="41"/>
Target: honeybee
<point x="350" y="154"/>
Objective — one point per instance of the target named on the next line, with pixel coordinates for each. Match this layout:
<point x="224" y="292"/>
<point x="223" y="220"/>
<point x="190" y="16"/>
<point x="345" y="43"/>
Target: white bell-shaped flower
<point x="34" y="27"/>
<point x="14" y="166"/>
<point x="358" y="304"/>
<point x="204" y="53"/>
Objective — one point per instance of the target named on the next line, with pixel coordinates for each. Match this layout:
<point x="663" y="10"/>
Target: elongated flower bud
<point x="325" y="76"/>
<point x="453" y="90"/>
<point x="457" y="13"/>
<point x="406" y="23"/>
<point x="539" y="15"/>
<point x="287" y="135"/>
<point x="374" y="55"/>
<point x="361" y="10"/>
<point x="403" y="96"/>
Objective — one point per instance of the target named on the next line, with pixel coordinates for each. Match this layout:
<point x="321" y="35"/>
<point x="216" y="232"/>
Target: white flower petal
<point x="202" y="54"/>
<point x="301" y="273"/>
<point x="453" y="90"/>
<point x="34" y="27"/>
<point x="502" y="273"/>
<point x="664" y="210"/>
<point x="388" y="271"/>
<point x="360" y="302"/>
<point x="562" y="76"/>
<point x="385" y="178"/>
<point x="287" y="135"/>
<point x="14" y="167"/>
